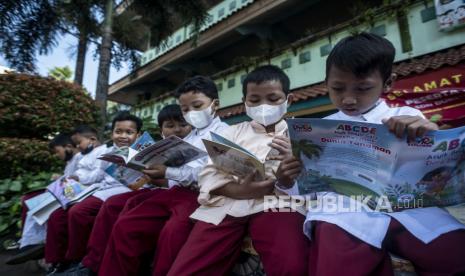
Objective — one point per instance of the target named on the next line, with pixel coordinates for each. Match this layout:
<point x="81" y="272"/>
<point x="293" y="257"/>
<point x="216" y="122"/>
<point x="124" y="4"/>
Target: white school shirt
<point x="109" y="186"/>
<point x="89" y="169"/>
<point x="72" y="164"/>
<point x="253" y="137"/>
<point x="424" y="223"/>
<point x="188" y="174"/>
<point x="34" y="233"/>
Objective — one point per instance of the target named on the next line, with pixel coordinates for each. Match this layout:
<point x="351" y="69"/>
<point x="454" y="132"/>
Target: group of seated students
<point x="193" y="219"/>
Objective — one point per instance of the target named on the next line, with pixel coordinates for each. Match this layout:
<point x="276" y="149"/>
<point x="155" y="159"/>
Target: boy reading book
<point x="88" y="172"/>
<point x="33" y="235"/>
<point x="81" y="216"/>
<point x="126" y="128"/>
<point x="162" y="221"/>
<point x="358" y="70"/>
<point x="171" y="122"/>
<point x="233" y="207"/>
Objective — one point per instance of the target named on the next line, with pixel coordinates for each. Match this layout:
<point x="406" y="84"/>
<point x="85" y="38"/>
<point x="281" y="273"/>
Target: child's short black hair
<point x="266" y="73"/>
<point x="62" y="139"/>
<point x="85" y="130"/>
<point x="362" y="54"/>
<point x="198" y="84"/>
<point x="126" y="116"/>
<point x="170" y="112"/>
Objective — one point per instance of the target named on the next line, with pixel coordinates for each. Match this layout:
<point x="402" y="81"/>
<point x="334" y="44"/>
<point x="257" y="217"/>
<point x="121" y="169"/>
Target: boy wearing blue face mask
<point x="162" y="222"/>
<point x="33" y="235"/>
<point x="86" y="141"/>
<point x="88" y="172"/>
<point x="68" y="236"/>
<point x="232" y="207"/>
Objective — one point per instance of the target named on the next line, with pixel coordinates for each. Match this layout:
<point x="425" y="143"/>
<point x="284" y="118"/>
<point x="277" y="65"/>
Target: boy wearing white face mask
<point x="162" y="222"/>
<point x="231" y="207"/>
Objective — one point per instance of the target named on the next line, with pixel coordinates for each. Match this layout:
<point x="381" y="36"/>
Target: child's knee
<point x="297" y="266"/>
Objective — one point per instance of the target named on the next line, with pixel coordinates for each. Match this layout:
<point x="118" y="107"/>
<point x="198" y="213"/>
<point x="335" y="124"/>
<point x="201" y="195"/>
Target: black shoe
<point x="29" y="252"/>
<point x="60" y="269"/>
<point x="80" y="270"/>
<point x="55" y="269"/>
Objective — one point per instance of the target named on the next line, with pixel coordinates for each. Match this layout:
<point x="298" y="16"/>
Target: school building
<point x="297" y="35"/>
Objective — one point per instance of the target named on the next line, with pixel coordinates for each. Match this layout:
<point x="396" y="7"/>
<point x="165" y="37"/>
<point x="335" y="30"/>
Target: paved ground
<point x="28" y="268"/>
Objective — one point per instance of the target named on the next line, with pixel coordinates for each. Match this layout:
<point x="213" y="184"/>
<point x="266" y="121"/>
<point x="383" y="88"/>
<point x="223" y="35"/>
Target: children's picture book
<point x="42" y="214"/>
<point x="171" y="151"/>
<point x="119" y="171"/>
<point x="122" y="156"/>
<point x="363" y="159"/>
<point x="37" y="200"/>
<point x="41" y="206"/>
<point x="68" y="191"/>
<point x="126" y="176"/>
<point x="232" y="158"/>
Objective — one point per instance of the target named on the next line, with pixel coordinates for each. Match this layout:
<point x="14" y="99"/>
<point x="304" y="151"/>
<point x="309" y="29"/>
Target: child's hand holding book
<point x="283" y="145"/>
<point x="74" y="177"/>
<point x="290" y="167"/>
<point x="247" y="188"/>
<point x="257" y="189"/>
<point x="288" y="171"/>
<point x="155" y="171"/>
<point x="415" y="126"/>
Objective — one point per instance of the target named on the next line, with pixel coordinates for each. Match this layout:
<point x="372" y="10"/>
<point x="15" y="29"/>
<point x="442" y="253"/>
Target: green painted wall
<point x="425" y="37"/>
<point x="151" y="109"/>
<point x="216" y="14"/>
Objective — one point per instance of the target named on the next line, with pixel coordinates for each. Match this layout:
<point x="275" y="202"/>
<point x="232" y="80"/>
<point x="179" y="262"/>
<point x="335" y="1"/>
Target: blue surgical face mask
<point x="68" y="155"/>
<point x="89" y="148"/>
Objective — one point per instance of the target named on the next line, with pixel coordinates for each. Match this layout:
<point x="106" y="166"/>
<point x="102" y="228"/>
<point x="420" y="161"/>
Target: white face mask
<point x="266" y="114"/>
<point x="200" y="119"/>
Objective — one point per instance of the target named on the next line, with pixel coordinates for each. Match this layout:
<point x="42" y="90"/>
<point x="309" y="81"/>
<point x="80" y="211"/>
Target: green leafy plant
<point x="11" y="190"/>
<point x="151" y="127"/>
<point x="61" y="73"/>
<point x="19" y="155"/>
<point x="36" y="107"/>
<point x="32" y="110"/>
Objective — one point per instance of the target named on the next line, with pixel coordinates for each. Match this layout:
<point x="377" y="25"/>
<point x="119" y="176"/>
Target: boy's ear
<point x="290" y="98"/>
<point x="390" y="82"/>
<point x="216" y="104"/>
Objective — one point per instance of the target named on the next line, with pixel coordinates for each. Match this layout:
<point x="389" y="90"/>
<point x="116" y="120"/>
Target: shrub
<point x="32" y="110"/>
<point x="11" y="190"/>
<point x="19" y="155"/>
<point x="36" y="107"/>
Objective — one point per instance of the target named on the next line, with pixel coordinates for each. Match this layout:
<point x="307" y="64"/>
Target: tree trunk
<point x="81" y="58"/>
<point x="104" y="64"/>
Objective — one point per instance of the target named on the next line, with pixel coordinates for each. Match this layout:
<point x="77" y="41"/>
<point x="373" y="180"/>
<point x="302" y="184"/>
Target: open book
<point x="122" y="156"/>
<point x="232" y="158"/>
<point x="68" y="191"/>
<point x="119" y="171"/>
<point x="41" y="206"/>
<point x="366" y="160"/>
<point x="171" y="151"/>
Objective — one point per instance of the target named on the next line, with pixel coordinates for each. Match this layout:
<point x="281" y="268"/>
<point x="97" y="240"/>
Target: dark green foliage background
<point x="34" y="109"/>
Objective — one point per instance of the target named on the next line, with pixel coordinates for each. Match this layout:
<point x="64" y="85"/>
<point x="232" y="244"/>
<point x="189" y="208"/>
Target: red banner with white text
<point x="439" y="94"/>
